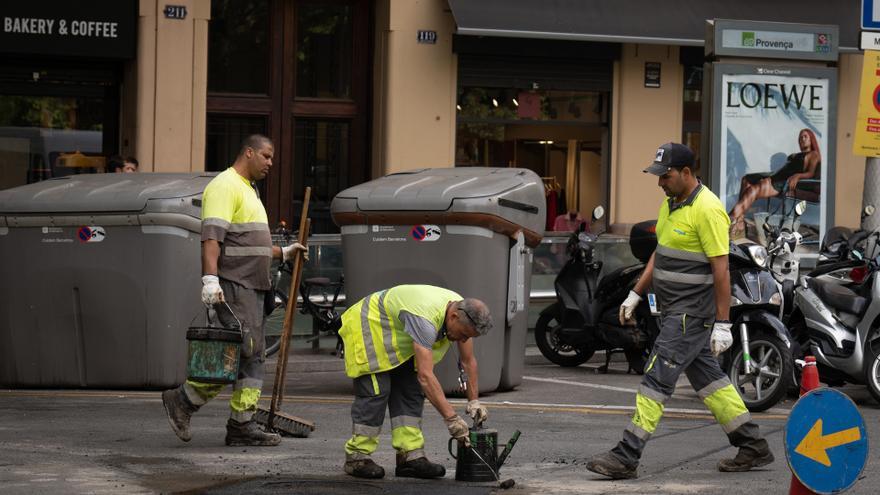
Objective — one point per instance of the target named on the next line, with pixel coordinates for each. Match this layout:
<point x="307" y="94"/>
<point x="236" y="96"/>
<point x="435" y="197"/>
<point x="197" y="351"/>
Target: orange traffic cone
<point x="809" y="381"/>
<point x="809" y="375"/>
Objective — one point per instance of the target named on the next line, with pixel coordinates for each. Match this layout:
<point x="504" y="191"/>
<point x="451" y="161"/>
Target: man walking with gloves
<point x="236" y="253"/>
<point x="689" y="274"/>
<point x="393" y="338"/>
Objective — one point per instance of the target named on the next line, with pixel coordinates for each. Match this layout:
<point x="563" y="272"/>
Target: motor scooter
<point x="759" y="362"/>
<point x="585" y="318"/>
<point x="836" y="317"/>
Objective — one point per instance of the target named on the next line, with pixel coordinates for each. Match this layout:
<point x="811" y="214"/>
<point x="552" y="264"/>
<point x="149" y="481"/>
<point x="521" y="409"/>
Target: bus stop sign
<point x="826" y="443"/>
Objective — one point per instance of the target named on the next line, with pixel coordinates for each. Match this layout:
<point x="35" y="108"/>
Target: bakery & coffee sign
<point x="97" y="28"/>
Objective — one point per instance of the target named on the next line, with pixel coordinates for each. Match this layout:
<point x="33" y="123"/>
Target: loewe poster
<point x="776" y="146"/>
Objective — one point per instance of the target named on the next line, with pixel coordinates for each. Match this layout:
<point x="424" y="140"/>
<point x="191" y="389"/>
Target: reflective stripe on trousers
<point x="399" y="391"/>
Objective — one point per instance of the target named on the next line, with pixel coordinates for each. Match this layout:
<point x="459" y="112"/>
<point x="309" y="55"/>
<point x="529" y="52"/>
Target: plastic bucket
<point x="213" y="354"/>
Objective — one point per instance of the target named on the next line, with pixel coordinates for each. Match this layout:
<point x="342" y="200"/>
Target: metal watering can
<point x="481" y="461"/>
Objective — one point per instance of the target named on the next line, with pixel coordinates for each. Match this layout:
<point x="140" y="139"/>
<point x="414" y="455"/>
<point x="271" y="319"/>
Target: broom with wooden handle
<point x="273" y="419"/>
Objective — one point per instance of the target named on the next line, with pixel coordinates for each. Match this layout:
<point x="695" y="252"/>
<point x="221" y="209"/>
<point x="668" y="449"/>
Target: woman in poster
<point x="802" y="165"/>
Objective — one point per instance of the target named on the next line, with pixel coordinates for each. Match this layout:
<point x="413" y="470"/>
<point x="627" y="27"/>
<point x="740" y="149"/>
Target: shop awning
<point x="674" y="22"/>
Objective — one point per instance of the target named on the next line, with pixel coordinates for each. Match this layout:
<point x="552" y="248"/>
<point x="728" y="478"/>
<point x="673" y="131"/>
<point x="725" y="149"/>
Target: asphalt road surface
<point x="91" y="441"/>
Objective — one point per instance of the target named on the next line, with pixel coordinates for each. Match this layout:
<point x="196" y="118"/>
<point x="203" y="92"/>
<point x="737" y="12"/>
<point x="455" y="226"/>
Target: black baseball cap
<point x="671" y="155"/>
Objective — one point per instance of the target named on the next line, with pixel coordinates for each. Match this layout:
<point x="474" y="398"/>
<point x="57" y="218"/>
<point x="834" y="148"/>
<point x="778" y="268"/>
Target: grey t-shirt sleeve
<point x="423" y="332"/>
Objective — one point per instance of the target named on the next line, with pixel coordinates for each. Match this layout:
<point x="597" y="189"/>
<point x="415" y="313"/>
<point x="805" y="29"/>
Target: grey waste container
<point x="471" y="230"/>
<point x="100" y="280"/>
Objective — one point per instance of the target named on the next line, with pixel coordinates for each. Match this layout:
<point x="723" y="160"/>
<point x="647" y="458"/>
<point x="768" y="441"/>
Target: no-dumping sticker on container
<point x="425" y="233"/>
<point x="88" y="233"/>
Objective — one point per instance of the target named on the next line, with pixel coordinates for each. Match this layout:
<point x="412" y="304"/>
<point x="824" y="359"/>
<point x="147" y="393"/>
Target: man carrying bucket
<point x="236" y="253"/>
<point x="393" y="338"/>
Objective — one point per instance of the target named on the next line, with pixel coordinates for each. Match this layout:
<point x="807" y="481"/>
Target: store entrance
<point x="562" y="136"/>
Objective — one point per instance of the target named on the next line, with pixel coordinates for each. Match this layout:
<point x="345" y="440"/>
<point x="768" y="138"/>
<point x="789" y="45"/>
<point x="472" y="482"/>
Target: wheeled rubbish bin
<point x="100" y="280"/>
<point x="471" y="230"/>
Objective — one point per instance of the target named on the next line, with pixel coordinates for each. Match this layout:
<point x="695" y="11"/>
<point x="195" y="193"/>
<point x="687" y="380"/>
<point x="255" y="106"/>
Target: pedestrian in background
<point x="118" y="164"/>
<point x="393" y="338"/>
<point x="691" y="258"/>
<point x="236" y="253"/>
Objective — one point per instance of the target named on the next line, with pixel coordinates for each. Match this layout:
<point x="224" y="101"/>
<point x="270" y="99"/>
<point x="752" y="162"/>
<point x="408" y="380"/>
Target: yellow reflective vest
<point x="374" y="336"/>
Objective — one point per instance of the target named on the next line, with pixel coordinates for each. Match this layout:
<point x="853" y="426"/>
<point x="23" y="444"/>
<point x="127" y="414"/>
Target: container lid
<point x="434" y="189"/>
<point x="100" y="192"/>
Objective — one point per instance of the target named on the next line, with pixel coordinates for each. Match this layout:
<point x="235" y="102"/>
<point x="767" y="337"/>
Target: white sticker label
<point x="425" y="233"/>
<point x="652" y="303"/>
<point x="88" y="233"/>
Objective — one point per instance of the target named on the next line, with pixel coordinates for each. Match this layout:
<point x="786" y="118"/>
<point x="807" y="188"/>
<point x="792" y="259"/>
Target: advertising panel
<point x="866" y="140"/>
<point x="775" y="129"/>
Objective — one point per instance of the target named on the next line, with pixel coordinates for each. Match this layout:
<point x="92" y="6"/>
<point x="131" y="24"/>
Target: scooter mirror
<point x="598" y="212"/>
<point x="800" y="208"/>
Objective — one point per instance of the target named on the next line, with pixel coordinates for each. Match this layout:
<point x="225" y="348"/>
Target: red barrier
<point x="809" y="381"/>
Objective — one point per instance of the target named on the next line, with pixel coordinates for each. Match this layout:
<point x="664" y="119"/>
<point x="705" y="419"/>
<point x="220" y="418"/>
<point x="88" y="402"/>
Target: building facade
<point x="580" y="92"/>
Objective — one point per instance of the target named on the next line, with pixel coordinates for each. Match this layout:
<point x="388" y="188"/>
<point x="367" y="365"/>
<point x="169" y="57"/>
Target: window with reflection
<point x="49" y="136"/>
<point x="321" y="158"/>
<point x="238" y="47"/>
<point x="224" y="137"/>
<point x="323" y="50"/>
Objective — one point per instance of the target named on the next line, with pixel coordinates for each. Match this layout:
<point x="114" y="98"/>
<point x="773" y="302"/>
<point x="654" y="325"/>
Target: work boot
<point x="746" y="459"/>
<point x="609" y="465"/>
<point x="418" y="468"/>
<point x="248" y="434"/>
<point x="364" y="468"/>
<point x="179" y="411"/>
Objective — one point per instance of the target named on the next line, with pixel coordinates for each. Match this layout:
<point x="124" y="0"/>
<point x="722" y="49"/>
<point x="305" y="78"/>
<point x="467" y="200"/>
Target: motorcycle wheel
<point x="547" y="338"/>
<point x="872" y="364"/>
<point x="767" y="385"/>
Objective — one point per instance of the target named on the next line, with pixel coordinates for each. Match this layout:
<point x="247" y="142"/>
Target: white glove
<point x="287" y="252"/>
<point x="211" y="291"/>
<point x="721" y="338"/>
<point x="477" y="411"/>
<point x="628" y="307"/>
<point x="458" y="429"/>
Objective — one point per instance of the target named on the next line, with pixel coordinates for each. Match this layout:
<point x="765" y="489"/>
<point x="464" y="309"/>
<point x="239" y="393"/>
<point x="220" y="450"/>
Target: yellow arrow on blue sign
<point x="826" y="443"/>
<point x="815" y="444"/>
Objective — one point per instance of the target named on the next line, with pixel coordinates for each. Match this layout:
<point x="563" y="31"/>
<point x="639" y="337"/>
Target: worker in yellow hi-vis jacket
<point x="393" y="338"/>
<point x="236" y="253"/>
<point x="689" y="274"/>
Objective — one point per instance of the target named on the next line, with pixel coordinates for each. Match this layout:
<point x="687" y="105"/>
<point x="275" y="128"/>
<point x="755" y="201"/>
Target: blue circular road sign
<point x="826" y="443"/>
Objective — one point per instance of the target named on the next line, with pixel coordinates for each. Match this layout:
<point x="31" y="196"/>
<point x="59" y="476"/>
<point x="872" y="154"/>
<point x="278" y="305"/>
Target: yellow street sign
<point x="815" y="444"/>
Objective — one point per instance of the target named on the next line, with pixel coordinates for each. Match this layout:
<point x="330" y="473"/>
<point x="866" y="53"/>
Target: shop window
<point x="511" y="127"/>
<point x="49" y="136"/>
<point x="692" y="118"/>
<point x="225" y="134"/>
<point x="324" y="51"/>
<point x="238" y="47"/>
<point x="321" y="157"/>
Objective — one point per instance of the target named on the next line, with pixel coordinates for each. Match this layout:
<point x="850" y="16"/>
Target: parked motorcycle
<point x="760" y="362"/>
<point x="835" y="316"/>
<point x="584" y="317"/>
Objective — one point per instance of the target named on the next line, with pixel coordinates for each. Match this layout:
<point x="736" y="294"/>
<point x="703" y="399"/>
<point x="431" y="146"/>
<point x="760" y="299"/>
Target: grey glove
<point x="625" y="314"/>
<point x="721" y="338"/>
<point x="458" y="429"/>
<point x="477" y="411"/>
<point x="211" y="291"/>
<point x="287" y="252"/>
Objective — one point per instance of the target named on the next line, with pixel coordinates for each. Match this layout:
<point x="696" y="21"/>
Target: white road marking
<point x="580" y="384"/>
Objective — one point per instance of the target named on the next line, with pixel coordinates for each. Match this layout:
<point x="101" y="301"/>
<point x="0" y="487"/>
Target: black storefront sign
<point x="97" y="28"/>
